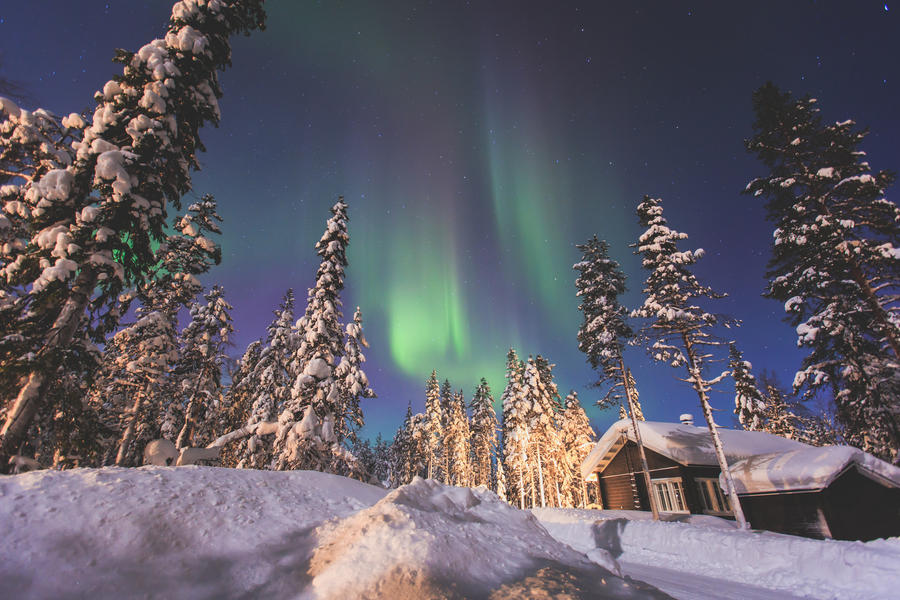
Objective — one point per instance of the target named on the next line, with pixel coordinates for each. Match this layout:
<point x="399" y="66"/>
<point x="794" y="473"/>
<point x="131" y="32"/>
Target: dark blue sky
<point x="476" y="143"/>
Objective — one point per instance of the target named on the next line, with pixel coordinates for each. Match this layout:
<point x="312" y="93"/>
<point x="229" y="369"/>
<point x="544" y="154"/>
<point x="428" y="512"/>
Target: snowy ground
<point x="202" y="532"/>
<point x="707" y="558"/>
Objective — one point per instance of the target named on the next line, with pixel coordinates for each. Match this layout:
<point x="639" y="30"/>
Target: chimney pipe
<point x="686" y="419"/>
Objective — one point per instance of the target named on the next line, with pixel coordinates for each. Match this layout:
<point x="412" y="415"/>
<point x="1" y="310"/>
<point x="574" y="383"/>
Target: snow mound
<point x="166" y="532"/>
<point x="823" y="569"/>
<point x="207" y="532"/>
<point x="428" y="540"/>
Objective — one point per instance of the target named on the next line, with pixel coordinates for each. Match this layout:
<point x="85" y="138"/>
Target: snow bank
<point x="823" y="569"/>
<point x="204" y="532"/>
<point x="165" y="532"/>
<point x="427" y="536"/>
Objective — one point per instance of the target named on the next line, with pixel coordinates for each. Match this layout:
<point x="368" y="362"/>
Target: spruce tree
<point x="749" y="404"/>
<point x="484" y="435"/>
<point x="198" y="373"/>
<point x="320" y="349"/>
<point x="446" y="416"/>
<point x="130" y="393"/>
<point x="457" y="436"/>
<point x="238" y="400"/>
<point x="604" y="330"/>
<point x="604" y="333"/>
<point x="268" y="385"/>
<point x="679" y="330"/>
<point x="382" y="456"/>
<point x="401" y="463"/>
<point x="354" y="383"/>
<point x="89" y="222"/>
<point x="635" y="395"/>
<point x="578" y="437"/>
<point x="434" y="426"/>
<point x="514" y="428"/>
<point x="835" y="262"/>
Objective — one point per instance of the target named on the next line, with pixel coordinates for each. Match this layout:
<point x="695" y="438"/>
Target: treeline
<point x="534" y="461"/>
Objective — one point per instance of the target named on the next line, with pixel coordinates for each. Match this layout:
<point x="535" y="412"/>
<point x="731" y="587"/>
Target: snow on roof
<point x="685" y="444"/>
<point x="808" y="468"/>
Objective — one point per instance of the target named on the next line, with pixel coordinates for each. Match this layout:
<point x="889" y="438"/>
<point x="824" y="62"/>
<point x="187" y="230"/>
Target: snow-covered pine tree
<point x="623" y="414"/>
<point x="401" y="463"/>
<point x="500" y="481"/>
<point x="578" y="436"/>
<point x="679" y="329"/>
<point x="835" y="262"/>
<point x="197" y="377"/>
<point x="238" y="400"/>
<point x="354" y="383"/>
<point x="381" y="452"/>
<point x="604" y="333"/>
<point x="434" y="426"/>
<point x="604" y="330"/>
<point x="320" y="349"/>
<point x="457" y="437"/>
<point x="67" y="431"/>
<point x="446" y="415"/>
<point x="133" y="394"/>
<point x="635" y="395"/>
<point x="778" y="418"/>
<point x="88" y="222"/>
<point x="417" y="450"/>
<point x="133" y="383"/>
<point x="484" y="435"/>
<point x="540" y="419"/>
<point x="268" y="385"/>
<point x="514" y="429"/>
<point x="749" y="404"/>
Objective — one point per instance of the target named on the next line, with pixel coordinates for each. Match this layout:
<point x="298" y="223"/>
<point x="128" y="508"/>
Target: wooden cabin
<point x="684" y="472"/>
<point x="785" y="486"/>
<point x="834" y="492"/>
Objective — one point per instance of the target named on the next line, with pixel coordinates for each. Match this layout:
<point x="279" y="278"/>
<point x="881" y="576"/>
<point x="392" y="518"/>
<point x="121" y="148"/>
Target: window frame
<point x="708" y="489"/>
<point x="665" y="503"/>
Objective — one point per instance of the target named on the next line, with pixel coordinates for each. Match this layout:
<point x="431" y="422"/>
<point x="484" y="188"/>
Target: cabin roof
<point x="685" y="444"/>
<point x="809" y="468"/>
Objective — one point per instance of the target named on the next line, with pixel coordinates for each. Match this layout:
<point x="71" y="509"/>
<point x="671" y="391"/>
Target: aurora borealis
<point x="476" y="144"/>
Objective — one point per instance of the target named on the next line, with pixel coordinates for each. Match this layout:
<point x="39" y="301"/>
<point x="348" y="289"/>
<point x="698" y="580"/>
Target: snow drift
<point x="712" y="547"/>
<point x="203" y="532"/>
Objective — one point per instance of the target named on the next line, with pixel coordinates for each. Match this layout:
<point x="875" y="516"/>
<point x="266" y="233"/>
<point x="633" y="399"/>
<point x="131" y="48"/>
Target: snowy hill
<point x="202" y="532"/>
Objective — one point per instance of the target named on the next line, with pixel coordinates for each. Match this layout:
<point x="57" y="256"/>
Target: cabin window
<point x="670" y="495"/>
<point x="711" y="497"/>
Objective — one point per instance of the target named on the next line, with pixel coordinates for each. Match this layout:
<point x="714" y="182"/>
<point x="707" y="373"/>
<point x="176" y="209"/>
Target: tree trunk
<point x="640" y="442"/>
<point x="32" y="394"/>
<point x="541" y="475"/>
<point x="694" y="372"/>
<point x="881" y="315"/>
<point x="125" y="444"/>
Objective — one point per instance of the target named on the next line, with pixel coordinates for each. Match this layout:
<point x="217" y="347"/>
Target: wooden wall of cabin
<point x="797" y="513"/>
<point x="858" y="508"/>
<point x="623" y="478"/>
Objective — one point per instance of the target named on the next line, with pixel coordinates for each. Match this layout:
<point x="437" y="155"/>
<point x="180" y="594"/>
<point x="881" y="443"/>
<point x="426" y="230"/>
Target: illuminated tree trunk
<point x="32" y="394"/>
<point x="640" y="443"/>
<point x="128" y="436"/>
<point x="701" y="388"/>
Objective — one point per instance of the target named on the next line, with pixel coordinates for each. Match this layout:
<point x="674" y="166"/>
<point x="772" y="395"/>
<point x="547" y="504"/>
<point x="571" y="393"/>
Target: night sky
<point x="476" y="144"/>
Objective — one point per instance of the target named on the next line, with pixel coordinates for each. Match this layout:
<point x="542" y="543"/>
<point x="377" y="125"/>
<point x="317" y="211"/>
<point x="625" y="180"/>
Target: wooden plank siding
<point x="621" y="482"/>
